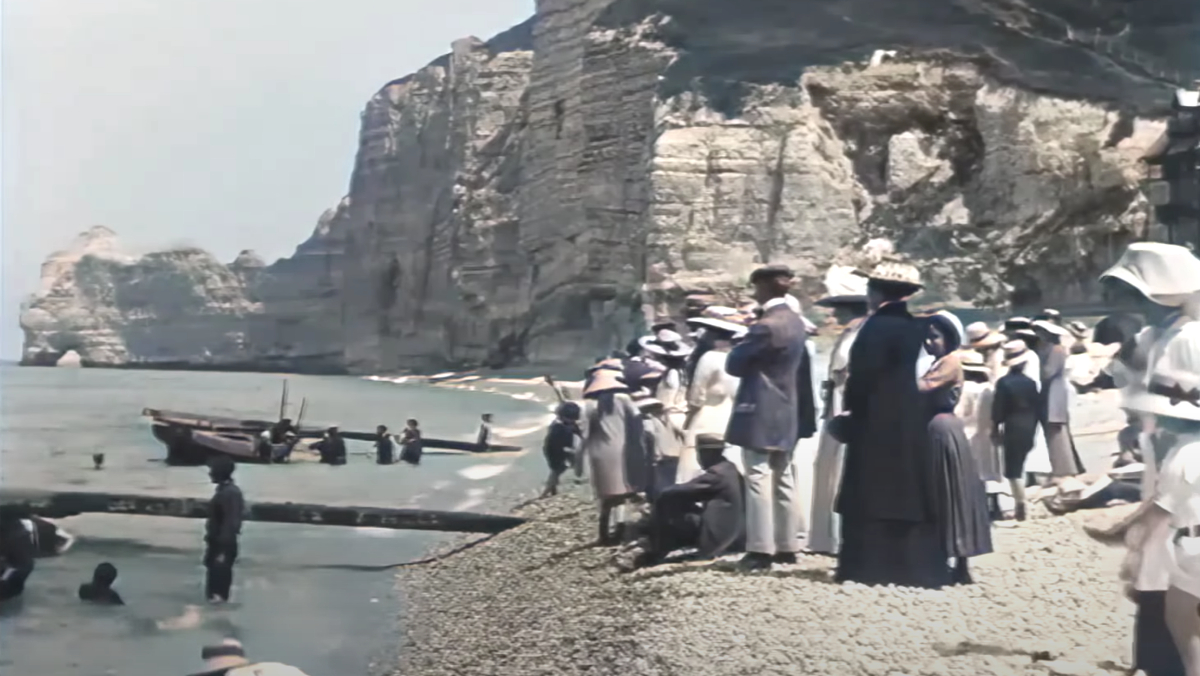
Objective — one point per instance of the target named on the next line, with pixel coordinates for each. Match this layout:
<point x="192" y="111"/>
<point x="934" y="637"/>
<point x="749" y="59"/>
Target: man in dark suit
<point x="766" y="419"/>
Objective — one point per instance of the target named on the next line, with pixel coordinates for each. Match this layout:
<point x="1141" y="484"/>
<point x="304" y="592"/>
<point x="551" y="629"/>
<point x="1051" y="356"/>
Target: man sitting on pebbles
<point x="706" y="513"/>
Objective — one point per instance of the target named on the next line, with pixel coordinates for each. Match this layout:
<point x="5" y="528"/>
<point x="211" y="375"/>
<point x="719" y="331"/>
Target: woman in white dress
<point x="850" y="311"/>
<point x="710" y="395"/>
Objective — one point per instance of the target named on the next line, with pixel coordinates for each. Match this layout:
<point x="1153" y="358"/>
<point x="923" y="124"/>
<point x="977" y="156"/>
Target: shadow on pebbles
<point x="541" y="600"/>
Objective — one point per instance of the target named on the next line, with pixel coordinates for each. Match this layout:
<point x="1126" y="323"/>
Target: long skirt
<point x="824" y="523"/>
<point x="1154" y="652"/>
<point x="886" y="551"/>
<point x="961" y="496"/>
<point x="1064" y="461"/>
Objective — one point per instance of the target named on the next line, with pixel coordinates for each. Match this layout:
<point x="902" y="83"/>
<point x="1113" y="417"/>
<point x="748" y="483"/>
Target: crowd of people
<point x="926" y="431"/>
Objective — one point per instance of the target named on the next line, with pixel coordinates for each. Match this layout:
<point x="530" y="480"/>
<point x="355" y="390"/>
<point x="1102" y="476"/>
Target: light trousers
<point x="773" y="509"/>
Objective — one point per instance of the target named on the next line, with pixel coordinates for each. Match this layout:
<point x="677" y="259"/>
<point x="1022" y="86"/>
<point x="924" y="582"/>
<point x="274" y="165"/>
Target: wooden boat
<point x="189" y="447"/>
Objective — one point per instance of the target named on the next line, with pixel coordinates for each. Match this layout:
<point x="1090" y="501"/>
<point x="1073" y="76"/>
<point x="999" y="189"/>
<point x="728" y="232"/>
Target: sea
<point x="303" y="595"/>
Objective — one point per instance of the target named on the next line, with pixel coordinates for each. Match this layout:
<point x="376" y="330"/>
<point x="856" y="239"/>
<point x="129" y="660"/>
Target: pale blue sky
<point x="228" y="124"/>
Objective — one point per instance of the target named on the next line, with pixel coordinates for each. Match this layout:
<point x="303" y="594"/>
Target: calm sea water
<point x="297" y="598"/>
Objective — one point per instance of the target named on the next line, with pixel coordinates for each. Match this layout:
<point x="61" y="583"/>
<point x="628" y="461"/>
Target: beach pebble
<point x="541" y="600"/>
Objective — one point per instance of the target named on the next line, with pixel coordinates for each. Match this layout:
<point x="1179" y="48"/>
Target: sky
<point x="224" y="124"/>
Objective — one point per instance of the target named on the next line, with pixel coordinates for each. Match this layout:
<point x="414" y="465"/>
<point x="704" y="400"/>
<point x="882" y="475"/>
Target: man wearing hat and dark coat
<point x="706" y="513"/>
<point x="887" y="501"/>
<point x="766" y="419"/>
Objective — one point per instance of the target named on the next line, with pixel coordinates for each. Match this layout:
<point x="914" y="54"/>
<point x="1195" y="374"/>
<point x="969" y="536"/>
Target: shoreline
<point x="540" y="599"/>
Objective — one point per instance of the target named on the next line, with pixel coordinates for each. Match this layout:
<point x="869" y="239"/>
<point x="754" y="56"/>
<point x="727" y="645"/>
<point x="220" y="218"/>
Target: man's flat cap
<point x="770" y="272"/>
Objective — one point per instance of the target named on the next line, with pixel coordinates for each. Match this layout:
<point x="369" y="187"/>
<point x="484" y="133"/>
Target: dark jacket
<point x="723" y="519"/>
<point x="766" y="409"/>
<point x="332" y="449"/>
<point x="225" y="510"/>
<point x="1016" y="405"/>
<point x="888" y="466"/>
<point x="1055" y="402"/>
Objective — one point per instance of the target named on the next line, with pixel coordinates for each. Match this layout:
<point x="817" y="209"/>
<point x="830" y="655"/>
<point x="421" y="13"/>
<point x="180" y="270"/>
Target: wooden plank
<point x="56" y="504"/>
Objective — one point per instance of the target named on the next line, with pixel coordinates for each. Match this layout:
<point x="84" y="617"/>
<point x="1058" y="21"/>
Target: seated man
<point x="707" y="513"/>
<point x="99" y="590"/>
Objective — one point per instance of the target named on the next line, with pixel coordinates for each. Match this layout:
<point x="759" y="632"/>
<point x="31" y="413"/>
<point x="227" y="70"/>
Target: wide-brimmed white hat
<point x="973" y="362"/>
<point x="981" y="336"/>
<point x="227" y="654"/>
<point x="1049" y="327"/>
<point x="723" y="325"/>
<point x="1167" y="274"/>
<point x="605" y="380"/>
<point x="1016" y="352"/>
<point x="1078" y="329"/>
<point x="666" y="343"/>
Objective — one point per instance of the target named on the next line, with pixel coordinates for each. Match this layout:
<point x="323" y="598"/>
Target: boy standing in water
<point x="484" y="440"/>
<point x="222" y="529"/>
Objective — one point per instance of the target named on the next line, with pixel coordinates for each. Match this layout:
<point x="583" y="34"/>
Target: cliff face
<point x="655" y="148"/>
<point x="541" y="195"/>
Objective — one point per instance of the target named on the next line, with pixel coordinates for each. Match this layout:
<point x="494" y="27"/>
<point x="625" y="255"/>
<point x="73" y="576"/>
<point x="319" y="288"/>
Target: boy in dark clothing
<point x="1015" y="415"/>
<point x="99" y="590"/>
<point x="559" y="445"/>
<point x="221" y="531"/>
<point x="332" y="448"/>
<point x="384" y="448"/>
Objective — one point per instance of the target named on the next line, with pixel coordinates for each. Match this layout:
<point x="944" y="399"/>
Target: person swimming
<point x="99" y="591"/>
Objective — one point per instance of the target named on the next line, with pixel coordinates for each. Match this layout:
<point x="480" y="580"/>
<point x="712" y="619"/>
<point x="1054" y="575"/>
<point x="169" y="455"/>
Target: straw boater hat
<point x="1049" y="327"/>
<point x="1015" y="352"/>
<point x="896" y="273"/>
<point x="228" y="654"/>
<point x="606" y="381"/>
<point x="980" y="337"/>
<point x="1167" y="274"/>
<point x="972" y="363"/>
<point x="666" y="343"/>
<point x="1051" y="314"/>
<point x="1025" y="333"/>
<point x="1078" y="329"/>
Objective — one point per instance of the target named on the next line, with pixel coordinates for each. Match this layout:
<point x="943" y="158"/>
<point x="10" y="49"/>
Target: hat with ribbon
<point x="896" y="273"/>
<point x="980" y="337"/>
<point x="1016" y="352"/>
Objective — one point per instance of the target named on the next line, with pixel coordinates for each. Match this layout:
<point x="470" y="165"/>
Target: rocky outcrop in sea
<point x="537" y="196"/>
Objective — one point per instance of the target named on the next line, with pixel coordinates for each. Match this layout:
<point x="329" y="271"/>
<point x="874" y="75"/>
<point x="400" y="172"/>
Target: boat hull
<point x="187" y="447"/>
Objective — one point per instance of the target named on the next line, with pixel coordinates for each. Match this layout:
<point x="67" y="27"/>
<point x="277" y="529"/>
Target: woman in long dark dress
<point x="410" y="443"/>
<point x="961" y="496"/>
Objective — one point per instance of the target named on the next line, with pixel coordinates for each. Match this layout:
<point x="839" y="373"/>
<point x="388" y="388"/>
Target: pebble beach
<point x="542" y="599"/>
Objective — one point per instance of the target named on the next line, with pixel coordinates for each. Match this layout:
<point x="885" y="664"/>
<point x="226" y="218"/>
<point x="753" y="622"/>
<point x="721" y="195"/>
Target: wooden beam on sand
<point x="58" y="504"/>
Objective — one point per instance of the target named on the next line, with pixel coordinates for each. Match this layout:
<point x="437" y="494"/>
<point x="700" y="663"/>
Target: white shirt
<point x="1175" y="493"/>
<point x="1179" y="494"/>
<point x="712" y="391"/>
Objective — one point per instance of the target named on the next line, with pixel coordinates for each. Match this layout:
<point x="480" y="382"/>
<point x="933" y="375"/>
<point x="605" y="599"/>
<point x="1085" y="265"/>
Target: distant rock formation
<point x="540" y="196"/>
<point x="185" y="309"/>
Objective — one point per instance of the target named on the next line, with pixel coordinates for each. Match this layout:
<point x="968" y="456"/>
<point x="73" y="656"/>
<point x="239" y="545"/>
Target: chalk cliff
<point x="538" y="196"/>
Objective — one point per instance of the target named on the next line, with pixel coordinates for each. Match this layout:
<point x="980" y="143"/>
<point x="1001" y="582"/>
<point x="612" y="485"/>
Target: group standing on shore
<point x="928" y="431"/>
